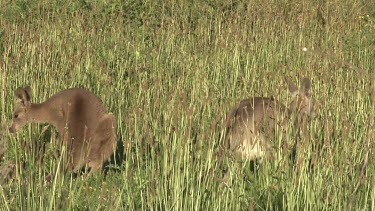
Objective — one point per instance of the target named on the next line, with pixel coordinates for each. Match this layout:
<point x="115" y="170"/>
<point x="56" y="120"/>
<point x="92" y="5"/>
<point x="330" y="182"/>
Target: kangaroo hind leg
<point x="103" y="144"/>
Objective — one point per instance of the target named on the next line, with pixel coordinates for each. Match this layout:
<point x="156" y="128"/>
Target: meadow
<point x="170" y="72"/>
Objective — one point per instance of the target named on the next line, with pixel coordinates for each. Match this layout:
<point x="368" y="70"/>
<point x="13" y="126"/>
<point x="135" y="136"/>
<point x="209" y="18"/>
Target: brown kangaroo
<point x="83" y="123"/>
<point x="249" y="122"/>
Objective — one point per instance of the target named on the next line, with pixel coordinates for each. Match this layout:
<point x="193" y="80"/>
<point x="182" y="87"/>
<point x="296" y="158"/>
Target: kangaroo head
<point x="301" y="98"/>
<point x="20" y="114"/>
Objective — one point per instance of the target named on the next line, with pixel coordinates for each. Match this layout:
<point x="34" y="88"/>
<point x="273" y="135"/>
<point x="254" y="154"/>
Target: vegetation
<point x="170" y="71"/>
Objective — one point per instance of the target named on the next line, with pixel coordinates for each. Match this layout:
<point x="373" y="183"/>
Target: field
<point x="170" y="71"/>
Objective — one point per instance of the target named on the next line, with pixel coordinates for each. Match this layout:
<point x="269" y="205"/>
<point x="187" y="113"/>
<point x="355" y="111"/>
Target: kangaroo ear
<point x="291" y="86"/>
<point x="28" y="92"/>
<point x="24" y="94"/>
<point x="305" y="86"/>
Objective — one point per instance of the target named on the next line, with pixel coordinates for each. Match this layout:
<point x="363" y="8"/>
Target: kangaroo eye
<point x="16" y="116"/>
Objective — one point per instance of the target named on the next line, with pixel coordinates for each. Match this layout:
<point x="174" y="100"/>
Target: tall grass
<point x="170" y="71"/>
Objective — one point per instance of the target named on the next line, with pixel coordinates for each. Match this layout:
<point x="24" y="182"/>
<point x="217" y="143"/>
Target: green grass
<point x="170" y="71"/>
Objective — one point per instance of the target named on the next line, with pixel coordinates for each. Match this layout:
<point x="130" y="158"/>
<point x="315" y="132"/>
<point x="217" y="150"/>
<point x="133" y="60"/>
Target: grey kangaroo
<point x="83" y="123"/>
<point x="250" y="121"/>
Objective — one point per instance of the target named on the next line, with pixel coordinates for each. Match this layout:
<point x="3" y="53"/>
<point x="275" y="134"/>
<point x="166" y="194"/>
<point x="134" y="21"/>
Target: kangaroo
<point x="250" y="121"/>
<point x="83" y="124"/>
